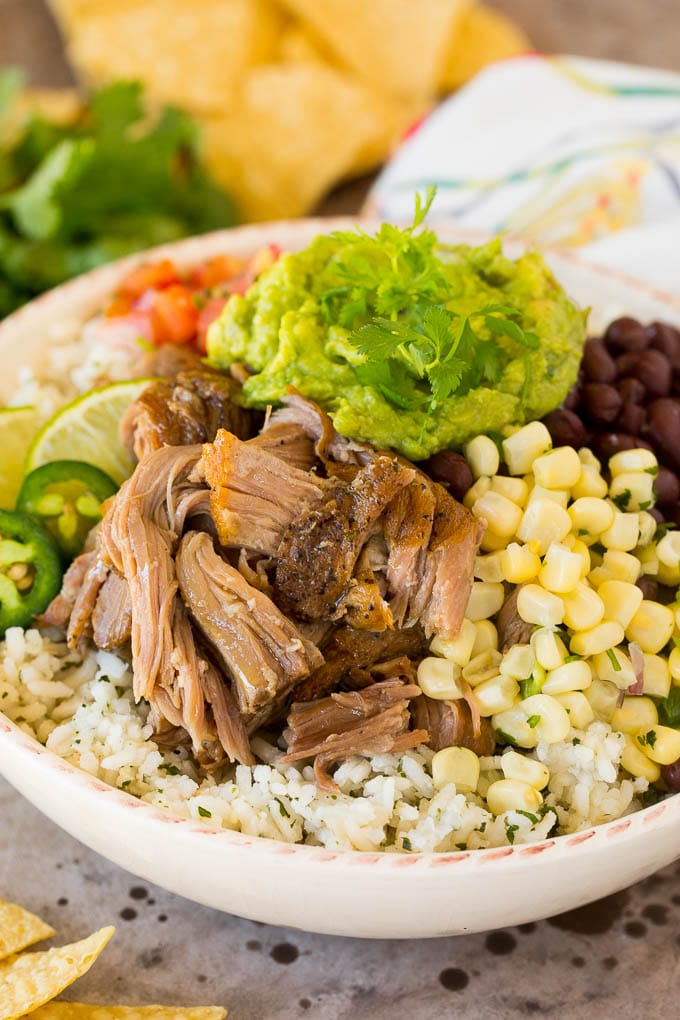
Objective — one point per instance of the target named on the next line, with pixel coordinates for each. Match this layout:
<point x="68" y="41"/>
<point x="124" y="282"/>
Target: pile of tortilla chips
<point x="30" y="981"/>
<point x="293" y="95"/>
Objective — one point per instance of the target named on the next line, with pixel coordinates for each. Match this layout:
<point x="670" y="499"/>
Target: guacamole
<point x="298" y="326"/>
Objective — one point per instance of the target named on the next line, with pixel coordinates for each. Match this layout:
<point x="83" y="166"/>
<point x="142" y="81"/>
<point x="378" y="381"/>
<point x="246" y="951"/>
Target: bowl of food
<point x="338" y="574"/>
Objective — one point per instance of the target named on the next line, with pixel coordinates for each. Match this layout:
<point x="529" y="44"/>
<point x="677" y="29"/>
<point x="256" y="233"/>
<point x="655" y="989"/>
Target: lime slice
<point x="18" y="426"/>
<point x="87" y="429"/>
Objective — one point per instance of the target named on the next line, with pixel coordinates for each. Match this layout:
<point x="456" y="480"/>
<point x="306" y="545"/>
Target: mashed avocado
<point x="298" y="326"/>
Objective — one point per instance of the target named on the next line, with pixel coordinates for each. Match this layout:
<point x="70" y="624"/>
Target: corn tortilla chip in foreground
<point x="30" y="980"/>
<point x="295" y="131"/>
<point x="193" y="55"/>
<point x="482" y="36"/>
<point x="83" y="1011"/>
<point x="19" y="929"/>
<point x="396" y="46"/>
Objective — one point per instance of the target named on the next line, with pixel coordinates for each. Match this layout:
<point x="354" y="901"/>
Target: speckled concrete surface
<point x="616" y="958"/>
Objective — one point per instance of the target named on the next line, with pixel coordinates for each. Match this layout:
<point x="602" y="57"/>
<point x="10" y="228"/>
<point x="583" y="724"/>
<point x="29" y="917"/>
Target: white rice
<point x="81" y="707"/>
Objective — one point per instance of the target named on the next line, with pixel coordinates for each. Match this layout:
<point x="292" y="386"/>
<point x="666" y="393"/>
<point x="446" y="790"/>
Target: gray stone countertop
<point x="619" y="957"/>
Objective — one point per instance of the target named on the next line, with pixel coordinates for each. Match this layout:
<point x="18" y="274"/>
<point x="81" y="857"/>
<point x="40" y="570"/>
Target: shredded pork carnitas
<point x="289" y="574"/>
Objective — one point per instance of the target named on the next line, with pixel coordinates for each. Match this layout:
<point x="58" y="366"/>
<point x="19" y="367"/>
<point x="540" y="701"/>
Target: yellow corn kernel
<point x="656" y="678"/>
<point x="512" y="795"/>
<point x="551" y="721"/>
<point x="614" y="666"/>
<point x="515" y="489"/>
<point x="647" y="525"/>
<point x="632" y="491"/>
<point x="486" y="598"/>
<point x="488" y="568"/>
<point x="674" y="663"/>
<point x="457" y="765"/>
<point x="583" y="608"/>
<point x="637" y="763"/>
<point x="481" y="453"/>
<point x="621" y="601"/>
<point x="635" y="714"/>
<point x="477" y="490"/>
<point x="648" y="561"/>
<point x="439" y="679"/>
<point x="586" y="456"/>
<point x="661" y="744"/>
<point x="521" y="449"/>
<point x="536" y="605"/>
<point x="651" y="626"/>
<point x="458" y="649"/>
<point x="559" y="496"/>
<point x="667" y="575"/>
<point x="571" y="676"/>
<point x="582" y="550"/>
<point x="482" y="667"/>
<point x="590" y="517"/>
<point x="486" y="637"/>
<point x="623" y="533"/>
<point x="517" y="662"/>
<point x="496" y="695"/>
<point x="603" y="698"/>
<point x="668" y="549"/>
<point x="519" y="563"/>
<point x="561" y="570"/>
<point x="525" y="769"/>
<point x="590" y="484"/>
<point x="548" y="648"/>
<point x="543" y="522"/>
<point x="500" y="513"/>
<point x="513" y="724"/>
<point x="559" y="469"/>
<point x="640" y="461"/>
<point x="597" y="639"/>
<point x="622" y="566"/>
<point x="577" y="707"/>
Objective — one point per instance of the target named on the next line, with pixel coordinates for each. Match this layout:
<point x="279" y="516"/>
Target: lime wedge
<point x="18" y="426"/>
<point x="87" y="429"/>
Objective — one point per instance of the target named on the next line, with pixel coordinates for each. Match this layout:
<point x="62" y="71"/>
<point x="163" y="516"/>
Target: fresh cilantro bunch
<point x="111" y="182"/>
<point x="391" y="290"/>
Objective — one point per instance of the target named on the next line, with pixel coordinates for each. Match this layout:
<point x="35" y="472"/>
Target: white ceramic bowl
<point x="362" y="894"/>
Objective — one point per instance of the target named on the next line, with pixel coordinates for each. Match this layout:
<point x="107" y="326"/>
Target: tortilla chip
<point x="30" y="980"/>
<point x="296" y="46"/>
<point x="483" y="36"/>
<point x="19" y="929"/>
<point x="194" y="55"/>
<point x="396" y="46"/>
<point x="83" y="1011"/>
<point x="295" y="130"/>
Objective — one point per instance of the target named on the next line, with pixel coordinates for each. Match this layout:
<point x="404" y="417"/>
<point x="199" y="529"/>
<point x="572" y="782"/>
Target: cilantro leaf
<point x="669" y="709"/>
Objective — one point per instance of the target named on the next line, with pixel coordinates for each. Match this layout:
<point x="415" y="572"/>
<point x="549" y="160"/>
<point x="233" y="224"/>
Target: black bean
<point x="452" y="469"/>
<point x="663" y="429"/>
<point x="606" y="444"/>
<point x="573" y="398"/>
<point x="632" y="391"/>
<point x="665" y="338"/>
<point x="602" y="402"/>
<point x="652" y="368"/>
<point x="672" y="512"/>
<point x="626" y="334"/>
<point x="631" y="419"/>
<point x="648" y="586"/>
<point x="671" y="776"/>
<point x="598" y="364"/>
<point x="565" y="427"/>
<point x="657" y="514"/>
<point x="666" y="486"/>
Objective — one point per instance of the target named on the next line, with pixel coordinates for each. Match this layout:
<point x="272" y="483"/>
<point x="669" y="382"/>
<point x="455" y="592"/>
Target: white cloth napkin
<point x="562" y="151"/>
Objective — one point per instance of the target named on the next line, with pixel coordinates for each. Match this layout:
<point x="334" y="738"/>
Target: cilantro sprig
<point x="390" y="290"/>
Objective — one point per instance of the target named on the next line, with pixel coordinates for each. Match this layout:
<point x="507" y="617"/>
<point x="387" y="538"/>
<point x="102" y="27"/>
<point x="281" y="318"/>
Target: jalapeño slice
<point x="66" y="496"/>
<point x="30" y="569"/>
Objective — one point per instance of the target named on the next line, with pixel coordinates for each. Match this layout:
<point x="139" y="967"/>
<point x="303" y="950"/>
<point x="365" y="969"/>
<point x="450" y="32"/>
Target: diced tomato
<point x="211" y="311"/>
<point x="264" y="259"/>
<point x="174" y="315"/>
<point x="216" y="270"/>
<point x="117" y="306"/>
<point x="148" y="276"/>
